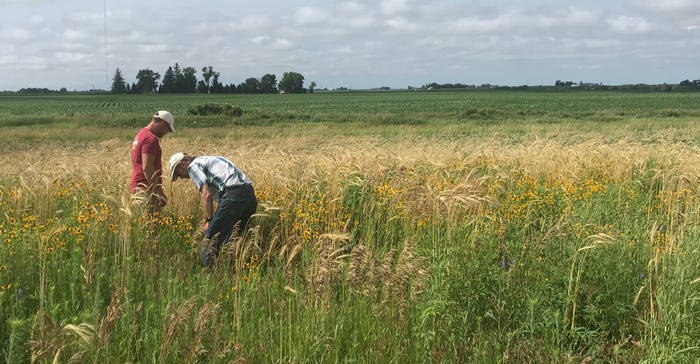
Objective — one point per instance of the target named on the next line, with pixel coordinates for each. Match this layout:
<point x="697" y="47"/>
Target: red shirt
<point x="145" y="142"/>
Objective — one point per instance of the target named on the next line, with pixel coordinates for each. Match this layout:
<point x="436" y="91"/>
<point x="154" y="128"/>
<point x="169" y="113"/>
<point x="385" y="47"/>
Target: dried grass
<point x="395" y="277"/>
<point x="173" y="326"/>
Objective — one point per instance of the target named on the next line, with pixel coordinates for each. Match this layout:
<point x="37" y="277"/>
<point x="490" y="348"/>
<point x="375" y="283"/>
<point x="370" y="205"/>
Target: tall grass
<point x="409" y="245"/>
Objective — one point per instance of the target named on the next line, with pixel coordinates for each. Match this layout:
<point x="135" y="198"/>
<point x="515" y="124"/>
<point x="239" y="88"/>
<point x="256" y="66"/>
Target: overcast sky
<point x="355" y="44"/>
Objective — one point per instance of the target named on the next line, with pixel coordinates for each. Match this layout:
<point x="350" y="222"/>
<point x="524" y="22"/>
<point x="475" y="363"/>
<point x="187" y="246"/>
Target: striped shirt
<point x="217" y="173"/>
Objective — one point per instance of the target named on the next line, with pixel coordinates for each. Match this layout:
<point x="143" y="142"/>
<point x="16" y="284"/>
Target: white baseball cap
<point x="167" y="117"/>
<point x="175" y="159"/>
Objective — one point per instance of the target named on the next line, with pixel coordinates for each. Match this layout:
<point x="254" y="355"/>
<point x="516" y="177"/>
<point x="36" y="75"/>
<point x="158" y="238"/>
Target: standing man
<point x="217" y="179"/>
<point x="146" y="164"/>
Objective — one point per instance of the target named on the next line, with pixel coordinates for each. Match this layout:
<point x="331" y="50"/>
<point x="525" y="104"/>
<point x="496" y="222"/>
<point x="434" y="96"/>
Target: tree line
<point x="184" y="80"/>
<point x="559" y="85"/>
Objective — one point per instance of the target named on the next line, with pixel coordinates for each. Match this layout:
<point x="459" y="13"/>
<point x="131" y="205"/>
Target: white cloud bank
<point x="359" y="43"/>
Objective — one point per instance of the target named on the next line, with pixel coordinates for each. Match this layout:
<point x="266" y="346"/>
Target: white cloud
<point x="672" y="6"/>
<point x="630" y="25"/>
<point x="342" y="41"/>
<point x="73" y="35"/>
<point x="36" y="20"/>
<point x="310" y="16"/>
<point x="35" y="63"/>
<point x="255" y="22"/>
<point x="132" y="37"/>
<point x="282" y="44"/>
<point x="479" y="25"/>
<point x="394" y="7"/>
<point x="568" y="17"/>
<point x="8" y="60"/>
<point x="344" y="50"/>
<point x="360" y="22"/>
<point x="153" y="49"/>
<point x="686" y="11"/>
<point x="69" y="57"/>
<point x="96" y="18"/>
<point x="353" y="8"/>
<point x="402" y="24"/>
<point x="521" y="22"/>
<point x="15" y="34"/>
<point x="260" y="39"/>
<point x="248" y="23"/>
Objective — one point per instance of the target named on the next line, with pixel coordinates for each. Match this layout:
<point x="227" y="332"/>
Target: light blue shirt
<point x="217" y="173"/>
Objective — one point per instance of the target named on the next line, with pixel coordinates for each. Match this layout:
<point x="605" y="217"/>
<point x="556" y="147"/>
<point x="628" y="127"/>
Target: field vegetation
<point x="398" y="227"/>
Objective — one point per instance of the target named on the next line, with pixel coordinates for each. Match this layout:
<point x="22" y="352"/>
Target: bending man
<point x="217" y="179"/>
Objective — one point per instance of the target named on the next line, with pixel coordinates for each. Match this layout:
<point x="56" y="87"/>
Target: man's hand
<point x="162" y="200"/>
<point x="159" y="199"/>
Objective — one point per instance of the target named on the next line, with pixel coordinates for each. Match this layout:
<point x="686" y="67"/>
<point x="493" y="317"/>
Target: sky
<point x="78" y="44"/>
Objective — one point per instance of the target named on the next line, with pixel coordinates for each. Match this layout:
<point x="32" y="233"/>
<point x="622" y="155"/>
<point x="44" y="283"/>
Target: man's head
<point x="163" y="122"/>
<point x="178" y="165"/>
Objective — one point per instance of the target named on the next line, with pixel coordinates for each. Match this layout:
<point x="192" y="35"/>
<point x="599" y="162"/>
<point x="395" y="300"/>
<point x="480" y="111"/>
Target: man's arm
<point x="149" y="171"/>
<point x="207" y="204"/>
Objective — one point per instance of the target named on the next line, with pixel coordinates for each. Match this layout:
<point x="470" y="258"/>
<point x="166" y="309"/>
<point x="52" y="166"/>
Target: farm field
<point x="396" y="227"/>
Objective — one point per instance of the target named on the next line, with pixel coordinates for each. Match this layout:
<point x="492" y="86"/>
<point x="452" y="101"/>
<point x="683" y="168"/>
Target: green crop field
<point x="393" y="227"/>
<point x="387" y="107"/>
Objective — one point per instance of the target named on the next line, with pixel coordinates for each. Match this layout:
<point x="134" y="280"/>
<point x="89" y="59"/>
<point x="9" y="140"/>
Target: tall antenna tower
<point x="106" y="63"/>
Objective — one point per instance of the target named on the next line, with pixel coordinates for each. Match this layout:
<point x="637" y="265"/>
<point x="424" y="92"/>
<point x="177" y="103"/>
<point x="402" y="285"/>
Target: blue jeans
<point x="236" y="206"/>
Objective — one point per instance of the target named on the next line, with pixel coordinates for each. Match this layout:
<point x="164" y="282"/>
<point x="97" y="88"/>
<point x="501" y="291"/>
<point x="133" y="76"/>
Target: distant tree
<point x="216" y="86"/>
<point x="292" y="82"/>
<point x="63" y="90"/>
<point x="118" y="83"/>
<point x="169" y="82"/>
<point x="34" y="90"/>
<point x="560" y="83"/>
<point x="177" y="73"/>
<point x="188" y="82"/>
<point x="179" y="80"/>
<point x="268" y="84"/>
<point x="690" y="84"/>
<point x="230" y="89"/>
<point x="312" y="87"/>
<point x="147" y="81"/>
<point x="251" y="86"/>
<point x="201" y="87"/>
<point x="208" y="72"/>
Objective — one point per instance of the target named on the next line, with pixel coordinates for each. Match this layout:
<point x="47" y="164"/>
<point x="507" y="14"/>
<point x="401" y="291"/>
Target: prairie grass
<point x="438" y="242"/>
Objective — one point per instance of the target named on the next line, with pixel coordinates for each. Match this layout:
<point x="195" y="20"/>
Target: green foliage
<point x="617" y="113"/>
<point x="292" y="83"/>
<point x="118" y="83"/>
<point x="216" y="109"/>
